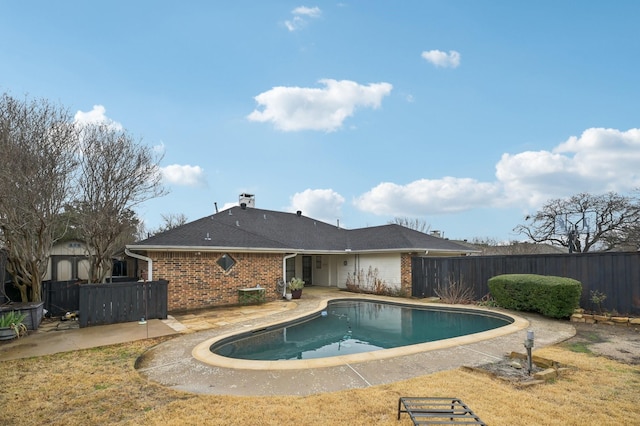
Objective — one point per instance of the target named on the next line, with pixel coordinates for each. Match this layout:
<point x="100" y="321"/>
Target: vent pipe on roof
<point x="215" y="204"/>
<point x="299" y="213"/>
<point x="243" y="206"/>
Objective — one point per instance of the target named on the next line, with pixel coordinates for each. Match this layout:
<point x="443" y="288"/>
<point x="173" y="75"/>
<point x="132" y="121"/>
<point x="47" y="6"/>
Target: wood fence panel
<point x="61" y="297"/>
<point x="122" y="302"/>
<point x="616" y="275"/>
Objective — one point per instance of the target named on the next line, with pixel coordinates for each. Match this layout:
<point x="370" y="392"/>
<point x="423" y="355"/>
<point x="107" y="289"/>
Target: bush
<point x="554" y="297"/>
<point x="455" y="292"/>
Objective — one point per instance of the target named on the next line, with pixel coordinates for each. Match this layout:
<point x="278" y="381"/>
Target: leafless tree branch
<point x="615" y="217"/>
<point x="38" y="144"/>
<point x="116" y="174"/>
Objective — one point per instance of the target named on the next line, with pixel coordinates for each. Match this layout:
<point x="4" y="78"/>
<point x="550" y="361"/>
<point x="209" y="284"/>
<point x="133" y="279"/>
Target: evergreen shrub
<point x="554" y="297"/>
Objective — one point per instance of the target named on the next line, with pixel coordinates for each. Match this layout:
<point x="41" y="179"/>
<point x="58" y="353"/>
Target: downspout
<point x="284" y="272"/>
<point x="145" y="258"/>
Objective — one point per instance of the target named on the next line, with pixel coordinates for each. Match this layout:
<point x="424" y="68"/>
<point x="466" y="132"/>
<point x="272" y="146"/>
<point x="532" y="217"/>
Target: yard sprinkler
<point x="528" y="343"/>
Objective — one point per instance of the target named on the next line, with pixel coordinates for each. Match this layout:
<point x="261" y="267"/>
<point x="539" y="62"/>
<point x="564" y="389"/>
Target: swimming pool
<point x="350" y="327"/>
<point x="402" y="320"/>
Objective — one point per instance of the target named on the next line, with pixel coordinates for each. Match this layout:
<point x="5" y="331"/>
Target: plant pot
<point x="33" y="310"/>
<point x="7" y="333"/>
<point x="295" y="294"/>
<point x="288" y="296"/>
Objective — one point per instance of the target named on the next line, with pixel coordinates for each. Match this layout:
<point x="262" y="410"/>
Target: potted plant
<point x="11" y="325"/>
<point x="296" y="285"/>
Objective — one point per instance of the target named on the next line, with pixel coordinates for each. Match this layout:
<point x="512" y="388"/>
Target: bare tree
<point x="171" y="221"/>
<point x="585" y="221"/>
<point x="491" y="246"/>
<point x="116" y="174"/>
<point x="412" y="223"/>
<point x="485" y="241"/>
<point x="37" y="143"/>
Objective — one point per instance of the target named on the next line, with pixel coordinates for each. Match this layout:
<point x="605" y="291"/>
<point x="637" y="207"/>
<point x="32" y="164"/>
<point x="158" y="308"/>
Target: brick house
<point x="208" y="260"/>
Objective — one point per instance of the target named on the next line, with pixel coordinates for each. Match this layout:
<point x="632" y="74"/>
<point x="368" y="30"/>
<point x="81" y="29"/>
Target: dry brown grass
<point x="101" y="386"/>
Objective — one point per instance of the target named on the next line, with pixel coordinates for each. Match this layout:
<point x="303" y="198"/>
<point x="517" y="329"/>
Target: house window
<point x="226" y="262"/>
<point x="119" y="268"/>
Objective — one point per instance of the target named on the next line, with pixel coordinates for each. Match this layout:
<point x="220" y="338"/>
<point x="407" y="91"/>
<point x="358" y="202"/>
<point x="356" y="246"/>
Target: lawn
<point x="101" y="386"/>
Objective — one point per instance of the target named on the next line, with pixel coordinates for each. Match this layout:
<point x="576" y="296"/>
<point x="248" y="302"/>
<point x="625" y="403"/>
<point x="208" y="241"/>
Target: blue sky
<point x="465" y="114"/>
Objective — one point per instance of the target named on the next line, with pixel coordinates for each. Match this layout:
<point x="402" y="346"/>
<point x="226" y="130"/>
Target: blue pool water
<point x="353" y="326"/>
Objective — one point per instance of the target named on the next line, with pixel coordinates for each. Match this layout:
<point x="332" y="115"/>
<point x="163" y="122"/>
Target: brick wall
<point x="405" y="272"/>
<point x="197" y="281"/>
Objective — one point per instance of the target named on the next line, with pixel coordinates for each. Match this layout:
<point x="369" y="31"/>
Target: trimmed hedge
<point x="554" y="297"/>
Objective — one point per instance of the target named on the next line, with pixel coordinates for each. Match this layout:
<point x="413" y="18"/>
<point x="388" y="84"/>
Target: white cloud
<point x="322" y="204"/>
<point x="598" y="161"/>
<point x="299" y="13"/>
<point x="96" y="116"/>
<point x="184" y="175"/>
<point x="325" y="109"/>
<point x="295" y="23"/>
<point x="159" y="149"/>
<point x="228" y="205"/>
<point x="427" y="196"/>
<point x="311" y="12"/>
<point x="442" y="59"/>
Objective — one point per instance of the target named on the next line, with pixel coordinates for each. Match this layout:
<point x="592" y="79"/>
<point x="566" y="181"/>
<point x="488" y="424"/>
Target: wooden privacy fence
<point x="60" y="297"/>
<point x="616" y="275"/>
<point x="122" y="302"/>
<point x="108" y="303"/>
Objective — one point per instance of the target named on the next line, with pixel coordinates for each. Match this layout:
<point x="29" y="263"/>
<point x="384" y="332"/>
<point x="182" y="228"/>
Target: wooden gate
<point x="122" y="302"/>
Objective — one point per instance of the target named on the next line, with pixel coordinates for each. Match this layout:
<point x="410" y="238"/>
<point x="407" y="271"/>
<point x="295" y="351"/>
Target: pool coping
<point x="172" y="364"/>
<point x="202" y="353"/>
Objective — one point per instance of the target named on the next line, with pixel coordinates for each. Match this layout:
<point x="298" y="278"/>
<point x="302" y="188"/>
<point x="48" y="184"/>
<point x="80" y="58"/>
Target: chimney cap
<point x="248" y="199"/>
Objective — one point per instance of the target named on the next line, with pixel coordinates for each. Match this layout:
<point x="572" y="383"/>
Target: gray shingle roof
<point x="266" y="230"/>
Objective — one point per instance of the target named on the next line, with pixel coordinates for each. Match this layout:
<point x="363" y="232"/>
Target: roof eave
<point x="165" y="248"/>
<point x="416" y="250"/>
<point x="209" y="248"/>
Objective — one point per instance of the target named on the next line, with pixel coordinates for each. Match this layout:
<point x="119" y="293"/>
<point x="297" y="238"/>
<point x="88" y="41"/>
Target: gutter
<point x="299" y="251"/>
<point x="284" y="272"/>
<point x="145" y="258"/>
